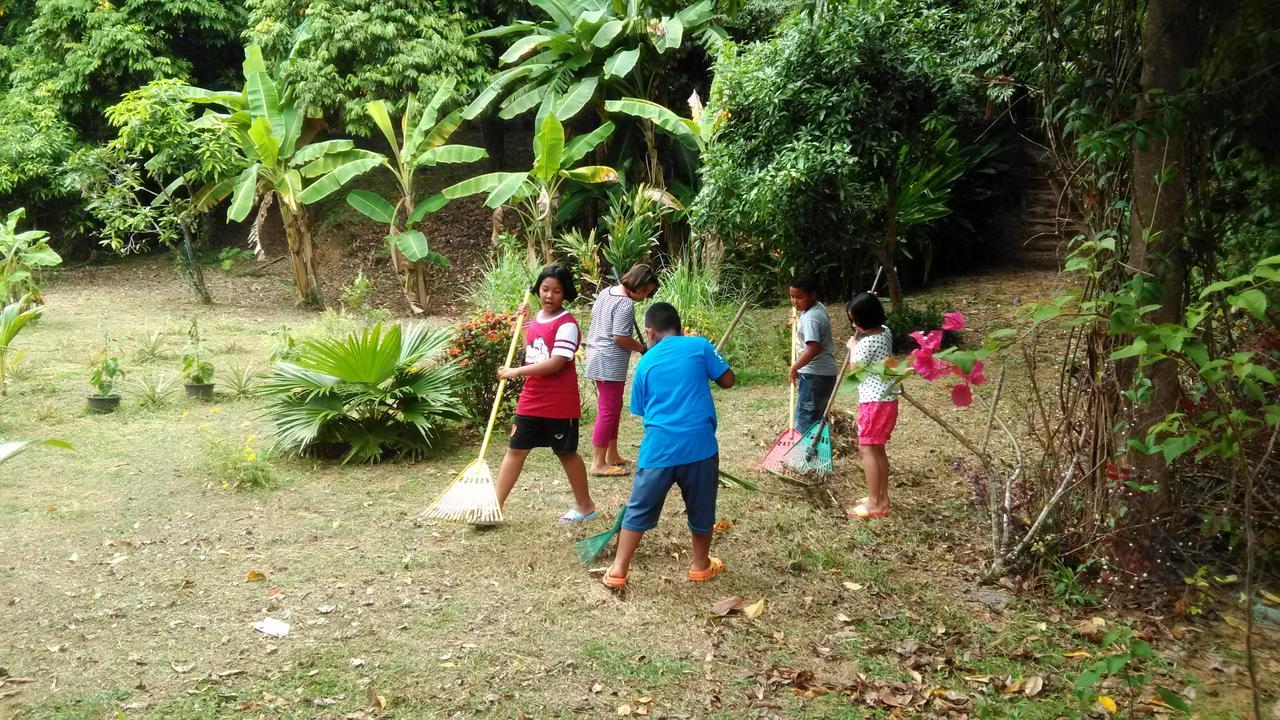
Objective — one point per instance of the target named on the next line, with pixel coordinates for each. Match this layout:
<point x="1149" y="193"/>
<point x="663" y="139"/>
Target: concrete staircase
<point x="1046" y="229"/>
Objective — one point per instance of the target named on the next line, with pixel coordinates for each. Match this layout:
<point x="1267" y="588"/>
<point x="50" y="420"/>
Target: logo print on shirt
<point x="536" y="352"/>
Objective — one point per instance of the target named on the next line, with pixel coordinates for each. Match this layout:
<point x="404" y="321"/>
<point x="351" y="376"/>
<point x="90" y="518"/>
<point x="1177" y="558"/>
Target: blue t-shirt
<point x="670" y="391"/>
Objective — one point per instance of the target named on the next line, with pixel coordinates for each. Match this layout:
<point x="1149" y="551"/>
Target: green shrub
<point x="241" y="380"/>
<point x="910" y="318"/>
<point x="239" y="466"/>
<point x="370" y="396"/>
<point x="104" y="370"/>
<point x="503" y="283"/>
<point x="154" y="391"/>
<point x="481" y="346"/>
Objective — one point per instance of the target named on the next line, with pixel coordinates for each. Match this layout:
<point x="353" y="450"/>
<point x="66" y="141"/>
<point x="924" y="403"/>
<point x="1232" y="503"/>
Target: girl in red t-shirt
<point x="549" y="408"/>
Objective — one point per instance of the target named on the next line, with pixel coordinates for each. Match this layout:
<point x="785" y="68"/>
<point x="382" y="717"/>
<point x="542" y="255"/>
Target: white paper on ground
<point x="272" y="627"/>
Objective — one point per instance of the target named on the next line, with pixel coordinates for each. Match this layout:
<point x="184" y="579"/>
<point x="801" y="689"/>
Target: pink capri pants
<point x="608" y="411"/>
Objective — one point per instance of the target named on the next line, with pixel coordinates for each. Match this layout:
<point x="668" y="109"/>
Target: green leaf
<point x="436" y="258"/>
<point x="525" y="100"/>
<point x="1254" y="301"/>
<point x="580" y="146"/>
<point x="659" y="115"/>
<point x="331" y="162"/>
<point x="607" y="33"/>
<point x="315" y="151"/>
<point x="452" y="154"/>
<point x="443" y="129"/>
<point x="1175" y="447"/>
<point x="592" y="174"/>
<point x="228" y="98"/>
<point x="266" y="146"/>
<point x="411" y="243"/>
<point x="495" y="88"/>
<point x="1173" y="699"/>
<point x="1223" y="285"/>
<point x="429" y="115"/>
<point x="523" y="47"/>
<point x="506" y="190"/>
<point x="372" y="206"/>
<point x="42" y="256"/>
<point x="264" y="101"/>
<point x="518" y="26"/>
<point x="621" y="64"/>
<point x="292" y="130"/>
<point x="336" y="178"/>
<point x="576" y="98"/>
<point x="486" y="183"/>
<point x="10" y="448"/>
<point x="213" y="193"/>
<point x="674" y="36"/>
<point x="246" y="192"/>
<point x="382" y="118"/>
<point x="1133" y="349"/>
<point x="427" y="205"/>
<point x="548" y="149"/>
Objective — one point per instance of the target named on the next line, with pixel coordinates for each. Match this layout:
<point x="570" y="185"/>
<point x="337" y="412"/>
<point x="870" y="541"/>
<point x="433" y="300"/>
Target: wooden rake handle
<point x="502" y="383"/>
<point x="733" y="324"/>
<point x="791" y="392"/>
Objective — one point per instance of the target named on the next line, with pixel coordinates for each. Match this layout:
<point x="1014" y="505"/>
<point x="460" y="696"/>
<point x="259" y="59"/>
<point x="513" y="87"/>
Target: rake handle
<point x="791" y="393"/>
<point x="742" y="309"/>
<point x="502" y="383"/>
<point x="831" y="401"/>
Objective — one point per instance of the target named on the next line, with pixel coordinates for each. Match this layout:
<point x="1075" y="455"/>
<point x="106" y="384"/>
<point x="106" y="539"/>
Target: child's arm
<point x="628" y="342"/>
<point x="727" y="380"/>
<point x="811" y="350"/>
<point x="550" y="366"/>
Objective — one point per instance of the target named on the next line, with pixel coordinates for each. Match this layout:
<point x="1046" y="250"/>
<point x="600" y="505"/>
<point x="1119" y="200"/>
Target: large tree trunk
<point x="301" y="252"/>
<point x="1156" y="231"/>
<point x="495" y="141"/>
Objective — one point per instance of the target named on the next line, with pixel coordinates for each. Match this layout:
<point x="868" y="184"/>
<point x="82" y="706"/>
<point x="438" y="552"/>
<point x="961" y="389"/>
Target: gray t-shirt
<point x="815" y="326"/>
<point x="612" y="314"/>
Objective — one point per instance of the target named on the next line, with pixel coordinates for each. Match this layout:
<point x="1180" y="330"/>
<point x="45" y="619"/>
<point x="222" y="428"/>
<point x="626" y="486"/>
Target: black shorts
<point x="559" y="434"/>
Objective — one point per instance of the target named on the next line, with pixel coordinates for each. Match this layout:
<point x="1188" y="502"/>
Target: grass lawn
<point x="125" y="563"/>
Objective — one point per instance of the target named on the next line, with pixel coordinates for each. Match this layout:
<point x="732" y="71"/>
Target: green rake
<point x="812" y="453"/>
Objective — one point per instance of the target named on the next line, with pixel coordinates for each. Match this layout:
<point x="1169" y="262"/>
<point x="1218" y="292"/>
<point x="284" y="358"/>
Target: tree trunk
<point x="305" y="275"/>
<point x="1156" y="230"/>
<point x="888" y="251"/>
<point x="194" y="270"/>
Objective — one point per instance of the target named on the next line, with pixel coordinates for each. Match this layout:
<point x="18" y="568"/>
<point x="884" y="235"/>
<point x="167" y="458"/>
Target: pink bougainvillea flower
<point x="976" y="376"/>
<point x="929" y="342"/>
<point x="953" y="321"/>
<point x="928" y="367"/>
<point x="961" y="395"/>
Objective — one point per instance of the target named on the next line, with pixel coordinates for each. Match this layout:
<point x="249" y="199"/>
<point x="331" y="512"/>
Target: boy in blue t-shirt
<point x="669" y="390"/>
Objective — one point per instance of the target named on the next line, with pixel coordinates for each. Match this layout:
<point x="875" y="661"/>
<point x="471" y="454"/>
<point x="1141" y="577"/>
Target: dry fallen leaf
<point x="181" y="668"/>
<point x="326" y="609"/>
<point x="852" y="586"/>
<point x="597" y="687"/>
<point x="624" y="710"/>
<point x="723" y="525"/>
<point x="753" y="610"/>
<point x="1107" y="704"/>
<point x="377" y="701"/>
<point x="1236" y="622"/>
<point x="844" y="618"/>
<point x="1014" y="687"/>
<point x="1034" y="685"/>
<point x="255" y="576"/>
<point x="726" y="605"/>
<point x="1077" y="654"/>
<point x="644" y="700"/>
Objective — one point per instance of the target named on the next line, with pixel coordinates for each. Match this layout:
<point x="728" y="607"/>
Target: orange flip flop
<point x="715" y="567"/>
<point x="613" y="582"/>
<point x="614" y="471"/>
<point x="861" y="513"/>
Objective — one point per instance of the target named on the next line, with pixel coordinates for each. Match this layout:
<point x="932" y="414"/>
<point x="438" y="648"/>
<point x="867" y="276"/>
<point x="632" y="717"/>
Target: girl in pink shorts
<point x="872" y="343"/>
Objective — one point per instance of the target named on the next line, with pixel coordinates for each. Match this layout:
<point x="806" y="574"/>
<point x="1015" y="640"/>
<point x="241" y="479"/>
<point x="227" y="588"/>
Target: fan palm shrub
<point x="370" y="396"/>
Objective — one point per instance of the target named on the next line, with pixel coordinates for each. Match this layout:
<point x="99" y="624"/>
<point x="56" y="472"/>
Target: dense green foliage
<point x="371" y="396"/>
<point x="339" y="55"/>
<point x="837" y="131"/>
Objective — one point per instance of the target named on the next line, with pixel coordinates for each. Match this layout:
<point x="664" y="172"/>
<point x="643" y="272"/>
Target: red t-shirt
<point x="556" y="395"/>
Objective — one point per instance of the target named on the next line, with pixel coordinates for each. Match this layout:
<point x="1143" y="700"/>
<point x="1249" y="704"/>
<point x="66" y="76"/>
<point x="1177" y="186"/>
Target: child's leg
<point x="805" y="403"/>
<point x="699" y="482"/>
<point x="604" y="436"/>
<point x="875" y="465"/>
<point x="648" y="493"/>
<point x="576" y="471"/>
<point x="628" y="541"/>
<point x="512" y="464"/>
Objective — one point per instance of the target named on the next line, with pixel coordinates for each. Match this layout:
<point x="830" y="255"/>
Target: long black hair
<point x="865" y="311"/>
<point x="560" y="273"/>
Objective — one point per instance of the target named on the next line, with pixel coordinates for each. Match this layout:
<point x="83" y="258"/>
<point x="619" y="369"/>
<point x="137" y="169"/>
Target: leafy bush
<point x="706" y="307"/>
<point x="503" y="283"/>
<point x="583" y="251"/>
<point x="909" y="318"/>
<point x="370" y="396"/>
<point x="154" y="391"/>
<point x="481" y="346"/>
<point x="239" y="466"/>
<point x="150" y="347"/>
<point x="632" y="224"/>
<point x="24" y="254"/>
<point x="241" y="380"/>
<point x="13" y="318"/>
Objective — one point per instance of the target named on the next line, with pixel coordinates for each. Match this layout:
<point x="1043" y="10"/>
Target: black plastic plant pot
<point x="104" y="403"/>
<point x="204" y="391"/>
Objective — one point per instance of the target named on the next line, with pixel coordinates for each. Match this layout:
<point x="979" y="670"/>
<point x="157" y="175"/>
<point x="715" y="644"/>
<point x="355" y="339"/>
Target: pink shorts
<point x="876" y="421"/>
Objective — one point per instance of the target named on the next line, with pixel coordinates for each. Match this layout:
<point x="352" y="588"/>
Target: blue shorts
<point x="698" y="483"/>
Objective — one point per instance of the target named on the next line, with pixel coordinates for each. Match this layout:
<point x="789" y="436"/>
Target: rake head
<point x="589" y="549"/>
<point x="812" y="453"/>
<point x="470" y="498"/>
<point x="773" y="461"/>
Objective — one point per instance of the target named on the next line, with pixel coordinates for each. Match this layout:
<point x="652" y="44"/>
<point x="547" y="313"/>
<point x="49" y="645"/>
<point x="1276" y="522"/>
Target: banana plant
<point x="279" y="163"/>
<point x="9" y="448"/>
<point x="22" y="253"/>
<point x="13" y="318"/>
<point x="421" y="144"/>
<point x="536" y="192"/>
<point x="693" y="132"/>
<point x="583" y="48"/>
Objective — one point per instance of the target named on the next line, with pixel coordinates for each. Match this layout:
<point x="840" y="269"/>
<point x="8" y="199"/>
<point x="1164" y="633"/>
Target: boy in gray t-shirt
<point x="815" y="368"/>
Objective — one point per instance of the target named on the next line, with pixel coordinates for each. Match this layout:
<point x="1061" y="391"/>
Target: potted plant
<point x="104" y="369"/>
<point x="197" y="371"/>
